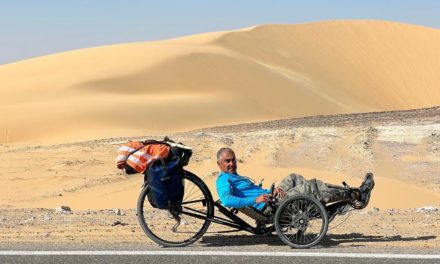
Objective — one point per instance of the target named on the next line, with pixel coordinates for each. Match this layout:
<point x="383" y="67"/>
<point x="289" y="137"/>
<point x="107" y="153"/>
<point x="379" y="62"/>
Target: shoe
<point x="364" y="192"/>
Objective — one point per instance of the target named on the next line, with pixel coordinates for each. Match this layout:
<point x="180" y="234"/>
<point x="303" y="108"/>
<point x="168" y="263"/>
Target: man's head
<point x="226" y="160"/>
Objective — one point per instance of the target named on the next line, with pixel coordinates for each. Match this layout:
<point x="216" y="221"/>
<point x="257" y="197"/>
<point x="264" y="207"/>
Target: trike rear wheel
<point x="301" y="221"/>
<point x="181" y="226"/>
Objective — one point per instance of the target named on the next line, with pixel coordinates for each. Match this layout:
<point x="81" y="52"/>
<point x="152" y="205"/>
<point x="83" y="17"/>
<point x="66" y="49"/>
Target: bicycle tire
<point x="158" y="224"/>
<point x="301" y="221"/>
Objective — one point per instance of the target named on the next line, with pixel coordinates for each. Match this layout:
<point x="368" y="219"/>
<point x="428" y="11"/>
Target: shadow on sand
<point x="354" y="239"/>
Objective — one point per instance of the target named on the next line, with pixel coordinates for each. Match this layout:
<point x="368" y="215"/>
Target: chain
<point x="348" y="215"/>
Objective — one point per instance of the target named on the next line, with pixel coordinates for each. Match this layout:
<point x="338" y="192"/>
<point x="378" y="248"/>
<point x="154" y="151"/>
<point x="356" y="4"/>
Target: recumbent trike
<point x="300" y="221"/>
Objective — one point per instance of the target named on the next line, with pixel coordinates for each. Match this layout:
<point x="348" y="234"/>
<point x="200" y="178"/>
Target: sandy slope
<point x="34" y="179"/>
<point x="402" y="152"/>
<point x="259" y="73"/>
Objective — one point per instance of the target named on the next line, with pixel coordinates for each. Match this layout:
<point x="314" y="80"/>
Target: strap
<point x="134" y="151"/>
<point x="148" y="142"/>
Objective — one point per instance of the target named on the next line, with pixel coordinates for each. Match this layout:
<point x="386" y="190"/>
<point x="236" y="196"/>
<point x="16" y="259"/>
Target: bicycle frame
<point x="240" y="225"/>
<point x="234" y="221"/>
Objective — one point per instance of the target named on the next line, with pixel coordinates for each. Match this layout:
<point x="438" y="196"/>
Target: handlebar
<point x="272" y="198"/>
<point x="272" y="188"/>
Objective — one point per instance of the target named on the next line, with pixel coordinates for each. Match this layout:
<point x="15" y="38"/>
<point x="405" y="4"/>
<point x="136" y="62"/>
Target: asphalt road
<point x="138" y="253"/>
<point x="195" y="260"/>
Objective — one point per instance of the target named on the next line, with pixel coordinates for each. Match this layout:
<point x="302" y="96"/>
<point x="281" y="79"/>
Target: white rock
<point x="427" y="209"/>
<point x="63" y="210"/>
<point x="30" y="219"/>
<point x="47" y="217"/>
<point x="119" y="212"/>
<point x="374" y="210"/>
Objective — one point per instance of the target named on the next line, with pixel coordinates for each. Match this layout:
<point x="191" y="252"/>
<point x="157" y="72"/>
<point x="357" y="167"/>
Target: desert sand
<point x="404" y="155"/>
<point x="65" y="115"/>
<point x="254" y="74"/>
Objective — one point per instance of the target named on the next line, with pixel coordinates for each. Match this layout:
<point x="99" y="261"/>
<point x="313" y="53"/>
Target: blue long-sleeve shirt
<point x="237" y="191"/>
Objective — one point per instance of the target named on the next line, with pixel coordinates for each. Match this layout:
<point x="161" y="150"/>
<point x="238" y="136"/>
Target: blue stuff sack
<point x="165" y="183"/>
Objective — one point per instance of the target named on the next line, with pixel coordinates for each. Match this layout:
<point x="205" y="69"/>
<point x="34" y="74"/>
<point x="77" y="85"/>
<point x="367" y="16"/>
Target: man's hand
<point x="263" y="198"/>
<point x="278" y="192"/>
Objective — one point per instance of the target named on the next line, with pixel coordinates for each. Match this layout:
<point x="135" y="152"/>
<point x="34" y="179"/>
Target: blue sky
<point x="34" y="28"/>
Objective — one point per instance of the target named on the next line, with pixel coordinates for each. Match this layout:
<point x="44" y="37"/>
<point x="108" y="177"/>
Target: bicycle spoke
<point x="301" y="222"/>
<point x="174" y="227"/>
<point x="189" y="189"/>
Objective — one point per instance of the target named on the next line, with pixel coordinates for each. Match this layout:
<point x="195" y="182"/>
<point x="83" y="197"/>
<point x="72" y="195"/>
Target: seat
<point x="253" y="213"/>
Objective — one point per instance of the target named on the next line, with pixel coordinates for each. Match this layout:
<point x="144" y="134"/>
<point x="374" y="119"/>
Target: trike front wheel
<point x="301" y="221"/>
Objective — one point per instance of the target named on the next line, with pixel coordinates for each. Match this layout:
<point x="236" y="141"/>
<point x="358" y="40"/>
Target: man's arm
<point x="224" y="191"/>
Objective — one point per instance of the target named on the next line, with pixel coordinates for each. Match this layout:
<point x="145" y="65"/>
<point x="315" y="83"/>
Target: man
<point x="239" y="191"/>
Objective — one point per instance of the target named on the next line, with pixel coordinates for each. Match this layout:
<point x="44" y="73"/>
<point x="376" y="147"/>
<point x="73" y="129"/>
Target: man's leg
<point x="295" y="184"/>
<point x="359" y="197"/>
<point x="329" y="193"/>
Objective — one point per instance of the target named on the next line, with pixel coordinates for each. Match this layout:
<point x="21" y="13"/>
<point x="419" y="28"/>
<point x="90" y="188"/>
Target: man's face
<point x="227" y="162"/>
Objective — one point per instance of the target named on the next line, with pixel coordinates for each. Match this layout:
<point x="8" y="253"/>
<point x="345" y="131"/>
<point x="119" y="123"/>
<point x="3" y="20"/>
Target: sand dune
<point x="259" y="73"/>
